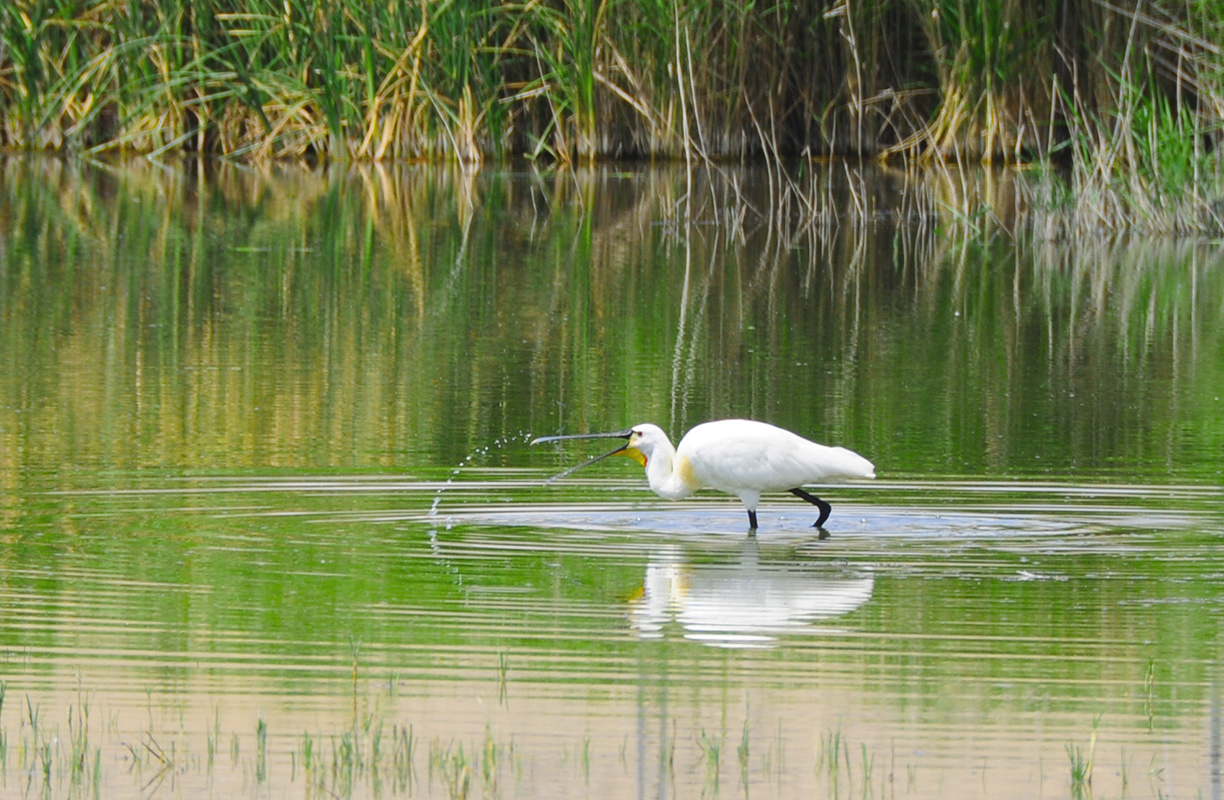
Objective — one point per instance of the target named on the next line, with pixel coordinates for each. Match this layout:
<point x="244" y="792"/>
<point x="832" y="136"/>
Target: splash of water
<point x="522" y="437"/>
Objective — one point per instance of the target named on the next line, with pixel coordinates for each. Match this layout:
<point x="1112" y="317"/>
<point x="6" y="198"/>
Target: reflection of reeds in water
<point x="279" y="315"/>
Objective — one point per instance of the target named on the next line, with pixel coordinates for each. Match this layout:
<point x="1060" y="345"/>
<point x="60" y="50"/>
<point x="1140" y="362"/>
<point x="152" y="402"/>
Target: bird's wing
<point x="740" y="454"/>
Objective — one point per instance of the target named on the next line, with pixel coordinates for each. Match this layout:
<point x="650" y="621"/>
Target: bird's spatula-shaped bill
<point x="625" y="449"/>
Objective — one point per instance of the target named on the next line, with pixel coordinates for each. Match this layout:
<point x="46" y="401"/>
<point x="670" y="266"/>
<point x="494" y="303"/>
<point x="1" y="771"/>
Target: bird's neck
<point x="669" y="477"/>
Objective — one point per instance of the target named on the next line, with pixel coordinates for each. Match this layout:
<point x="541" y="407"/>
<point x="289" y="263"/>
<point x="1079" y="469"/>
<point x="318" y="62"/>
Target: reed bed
<point x="1120" y="105"/>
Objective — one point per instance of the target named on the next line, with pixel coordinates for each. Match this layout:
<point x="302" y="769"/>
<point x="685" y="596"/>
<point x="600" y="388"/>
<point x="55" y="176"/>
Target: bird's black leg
<point x="752" y="523"/>
<point x="825" y="508"/>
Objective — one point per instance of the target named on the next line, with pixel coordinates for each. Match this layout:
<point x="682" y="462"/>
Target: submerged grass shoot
<point x="742" y="753"/>
<point x="1081" y="763"/>
<point x="363" y="761"/>
<point x="711" y="753"/>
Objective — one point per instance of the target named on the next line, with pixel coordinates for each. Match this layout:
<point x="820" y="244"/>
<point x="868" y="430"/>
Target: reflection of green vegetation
<point x="172" y="325"/>
<point x="213" y="318"/>
<point x="187" y="343"/>
<point x="293" y="587"/>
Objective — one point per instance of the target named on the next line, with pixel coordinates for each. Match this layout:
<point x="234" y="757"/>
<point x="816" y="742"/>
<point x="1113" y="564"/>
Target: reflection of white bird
<point x="741" y="604"/>
<point x="738" y="456"/>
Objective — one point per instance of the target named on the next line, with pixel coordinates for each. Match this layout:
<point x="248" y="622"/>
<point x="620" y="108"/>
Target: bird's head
<point x="644" y="439"/>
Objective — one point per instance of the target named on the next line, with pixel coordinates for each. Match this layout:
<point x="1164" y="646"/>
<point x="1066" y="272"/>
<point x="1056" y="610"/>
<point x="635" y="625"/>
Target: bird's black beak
<point x="624" y="449"/>
<point x="625" y="434"/>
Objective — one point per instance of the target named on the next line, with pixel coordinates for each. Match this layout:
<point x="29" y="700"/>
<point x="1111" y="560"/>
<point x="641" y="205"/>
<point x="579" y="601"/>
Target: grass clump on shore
<point x="1128" y="99"/>
<point x="571" y="79"/>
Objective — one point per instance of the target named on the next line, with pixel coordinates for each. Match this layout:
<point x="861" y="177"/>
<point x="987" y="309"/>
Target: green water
<point x="270" y="525"/>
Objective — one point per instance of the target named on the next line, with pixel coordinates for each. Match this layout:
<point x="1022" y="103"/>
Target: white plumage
<point x="738" y="456"/>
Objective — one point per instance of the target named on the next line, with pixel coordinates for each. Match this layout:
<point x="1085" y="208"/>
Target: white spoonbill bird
<point x="742" y="457"/>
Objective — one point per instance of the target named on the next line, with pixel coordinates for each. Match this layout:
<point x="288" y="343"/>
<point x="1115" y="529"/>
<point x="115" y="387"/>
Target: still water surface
<point x="270" y="526"/>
